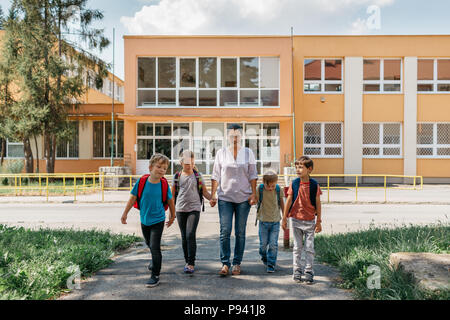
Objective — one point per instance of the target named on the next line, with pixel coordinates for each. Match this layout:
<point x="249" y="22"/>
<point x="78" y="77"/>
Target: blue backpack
<point x="312" y="191"/>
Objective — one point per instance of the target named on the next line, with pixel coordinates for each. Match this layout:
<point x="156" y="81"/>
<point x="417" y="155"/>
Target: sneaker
<point x="188" y="270"/>
<point x="270" y="269"/>
<point x="224" y="271"/>
<point x="309" y="277"/>
<point x="298" y="276"/>
<point x="236" y="270"/>
<point x="152" y="282"/>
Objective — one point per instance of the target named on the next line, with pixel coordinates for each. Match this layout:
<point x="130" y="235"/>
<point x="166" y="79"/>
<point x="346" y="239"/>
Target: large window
<point x="69" y="148"/>
<point x="102" y="139"/>
<point x="323" y="75"/>
<point x="382" y="140"/>
<point x="433" y="140"/>
<point x="382" y="75"/>
<point x="208" y="82"/>
<point x="322" y="140"/>
<point x="433" y="75"/>
<point x="14" y="149"/>
<point x="205" y="139"/>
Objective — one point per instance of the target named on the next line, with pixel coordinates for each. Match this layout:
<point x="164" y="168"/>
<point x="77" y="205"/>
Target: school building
<point x="355" y="104"/>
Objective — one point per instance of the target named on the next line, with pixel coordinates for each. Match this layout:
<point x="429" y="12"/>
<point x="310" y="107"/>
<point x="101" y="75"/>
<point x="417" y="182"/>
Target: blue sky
<point x="270" y="17"/>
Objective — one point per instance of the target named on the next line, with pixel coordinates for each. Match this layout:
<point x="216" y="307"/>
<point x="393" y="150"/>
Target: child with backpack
<point x="269" y="204"/>
<point x="152" y="196"/>
<point x="302" y="206"/>
<point x="189" y="189"/>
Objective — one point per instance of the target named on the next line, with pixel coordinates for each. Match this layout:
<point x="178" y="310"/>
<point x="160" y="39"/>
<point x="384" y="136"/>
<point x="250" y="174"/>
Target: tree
<point x="49" y="70"/>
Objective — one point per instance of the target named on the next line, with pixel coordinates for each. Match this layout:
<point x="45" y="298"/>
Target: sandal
<point x="236" y="270"/>
<point x="224" y="271"/>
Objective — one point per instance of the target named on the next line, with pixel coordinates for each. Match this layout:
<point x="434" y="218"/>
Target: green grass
<point x="352" y="253"/>
<point x="35" y="265"/>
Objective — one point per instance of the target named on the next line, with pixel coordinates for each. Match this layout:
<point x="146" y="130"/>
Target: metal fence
<point x="88" y="183"/>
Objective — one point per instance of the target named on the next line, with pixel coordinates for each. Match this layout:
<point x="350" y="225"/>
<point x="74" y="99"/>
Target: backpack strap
<point x="295" y="190"/>
<point x="141" y="186"/>
<point x="260" y="198"/>
<point x="278" y="195"/>
<point x="164" y="189"/>
<point x="176" y="183"/>
<point x="200" y="188"/>
<point x="313" y="191"/>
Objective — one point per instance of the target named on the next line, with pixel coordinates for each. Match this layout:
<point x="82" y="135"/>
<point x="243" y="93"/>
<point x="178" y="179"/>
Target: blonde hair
<point x="157" y="158"/>
<point x="270" y="176"/>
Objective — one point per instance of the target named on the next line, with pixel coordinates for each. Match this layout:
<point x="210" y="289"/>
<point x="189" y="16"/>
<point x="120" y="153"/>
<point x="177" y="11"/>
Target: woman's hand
<point x="252" y="199"/>
<point x="212" y="202"/>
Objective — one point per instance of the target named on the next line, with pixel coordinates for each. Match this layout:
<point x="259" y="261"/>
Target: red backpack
<point x="164" y="188"/>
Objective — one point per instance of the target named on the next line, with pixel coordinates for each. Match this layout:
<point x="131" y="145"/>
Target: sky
<point x="264" y="17"/>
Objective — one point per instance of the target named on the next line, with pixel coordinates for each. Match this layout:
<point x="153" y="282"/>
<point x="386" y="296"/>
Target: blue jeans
<point x="226" y="212"/>
<point x="268" y="237"/>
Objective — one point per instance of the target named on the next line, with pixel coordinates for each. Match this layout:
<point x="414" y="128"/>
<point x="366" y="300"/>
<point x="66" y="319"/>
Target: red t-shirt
<point x="302" y="209"/>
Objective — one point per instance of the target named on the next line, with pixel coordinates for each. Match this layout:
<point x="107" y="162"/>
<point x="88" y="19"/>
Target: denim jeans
<point x="226" y="212"/>
<point x="268" y="237"/>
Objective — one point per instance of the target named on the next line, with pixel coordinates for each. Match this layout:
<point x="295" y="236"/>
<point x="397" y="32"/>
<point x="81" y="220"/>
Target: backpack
<point x="312" y="191"/>
<point x="261" y="192"/>
<point x="176" y="183"/>
<point x="164" y="188"/>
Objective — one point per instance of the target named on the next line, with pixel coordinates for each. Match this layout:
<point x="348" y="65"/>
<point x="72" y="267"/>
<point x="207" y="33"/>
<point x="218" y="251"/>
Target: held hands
<point x="170" y="222"/>
<point x="284" y="224"/>
<point x="252" y="199"/>
<point x="212" y="202"/>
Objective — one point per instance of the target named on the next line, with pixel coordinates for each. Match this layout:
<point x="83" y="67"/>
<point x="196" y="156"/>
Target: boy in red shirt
<point x="302" y="205"/>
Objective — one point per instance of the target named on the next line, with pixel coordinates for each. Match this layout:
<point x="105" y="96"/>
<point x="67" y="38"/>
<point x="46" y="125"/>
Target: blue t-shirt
<point x="152" y="208"/>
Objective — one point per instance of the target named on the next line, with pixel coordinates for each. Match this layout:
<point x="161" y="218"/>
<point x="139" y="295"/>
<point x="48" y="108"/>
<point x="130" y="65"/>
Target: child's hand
<point x="212" y="202"/>
<point x="123" y="219"/>
<point x="170" y="222"/>
<point x="284" y="224"/>
<point x="318" y="227"/>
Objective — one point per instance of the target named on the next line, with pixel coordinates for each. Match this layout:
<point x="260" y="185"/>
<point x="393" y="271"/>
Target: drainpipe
<point x="293" y="93"/>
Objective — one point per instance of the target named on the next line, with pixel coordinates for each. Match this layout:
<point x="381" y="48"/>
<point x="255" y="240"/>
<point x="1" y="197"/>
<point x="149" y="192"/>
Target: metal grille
<point x="381" y="140"/>
<point x="433" y="140"/>
<point x="322" y="139"/>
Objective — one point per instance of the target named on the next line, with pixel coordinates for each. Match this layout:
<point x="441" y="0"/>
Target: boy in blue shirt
<point x="153" y="197"/>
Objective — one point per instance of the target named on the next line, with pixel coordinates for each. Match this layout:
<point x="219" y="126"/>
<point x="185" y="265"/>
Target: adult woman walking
<point x="234" y="177"/>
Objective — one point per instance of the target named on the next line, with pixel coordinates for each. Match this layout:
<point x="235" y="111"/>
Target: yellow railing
<point x="73" y="183"/>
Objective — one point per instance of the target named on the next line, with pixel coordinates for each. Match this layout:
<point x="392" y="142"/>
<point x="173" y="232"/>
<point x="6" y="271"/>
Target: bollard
<point x="286" y="231"/>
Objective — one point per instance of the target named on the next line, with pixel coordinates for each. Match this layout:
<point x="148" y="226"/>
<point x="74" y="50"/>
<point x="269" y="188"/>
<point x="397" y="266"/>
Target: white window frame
<point x="8" y="143"/>
<point x="433" y="146"/>
<point x="382" y="145"/>
<point x="322" y="80"/>
<point x="218" y="89"/>
<point x="382" y="82"/>
<point x="435" y="82"/>
<point x="323" y="145"/>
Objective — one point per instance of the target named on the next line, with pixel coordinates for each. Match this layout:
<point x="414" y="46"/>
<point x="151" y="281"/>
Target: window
<point x="433" y="75"/>
<point x="323" y="75"/>
<point x="208" y="82"/>
<point x="69" y="148"/>
<point x="433" y="140"/>
<point x="322" y="140"/>
<point x="14" y="149"/>
<point x="382" y="140"/>
<point x="102" y="139"/>
<point x="382" y="75"/>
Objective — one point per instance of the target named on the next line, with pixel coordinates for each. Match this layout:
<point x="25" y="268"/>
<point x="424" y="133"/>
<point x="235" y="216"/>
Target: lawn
<point x="352" y="253"/>
<point x="35" y="265"/>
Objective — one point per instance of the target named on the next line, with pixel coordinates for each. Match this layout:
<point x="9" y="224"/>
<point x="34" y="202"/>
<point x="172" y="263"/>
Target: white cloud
<point x="196" y="17"/>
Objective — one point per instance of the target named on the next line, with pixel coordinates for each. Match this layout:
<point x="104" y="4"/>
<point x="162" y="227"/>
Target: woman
<point x="234" y="177"/>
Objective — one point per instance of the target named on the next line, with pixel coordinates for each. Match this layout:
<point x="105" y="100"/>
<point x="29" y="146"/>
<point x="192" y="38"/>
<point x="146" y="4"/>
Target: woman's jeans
<point x="268" y="237"/>
<point x="152" y="235"/>
<point x="226" y="212"/>
<point x="188" y="222"/>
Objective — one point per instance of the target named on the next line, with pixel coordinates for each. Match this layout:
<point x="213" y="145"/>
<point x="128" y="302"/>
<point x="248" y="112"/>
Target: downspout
<point x="293" y="94"/>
